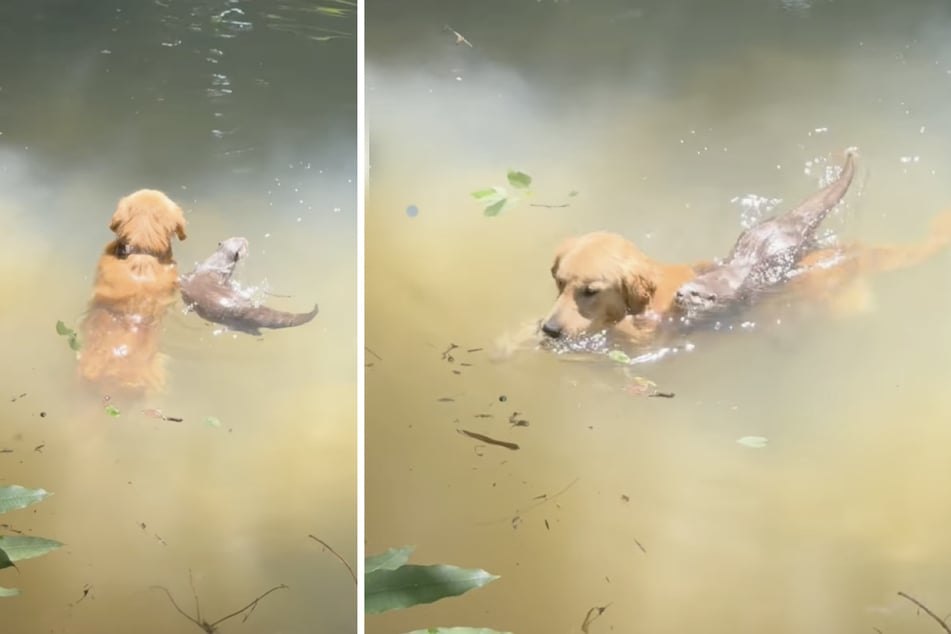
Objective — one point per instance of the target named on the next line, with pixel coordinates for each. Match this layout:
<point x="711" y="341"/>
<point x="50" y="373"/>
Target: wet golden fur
<point x="605" y="282"/>
<point x="136" y="281"/>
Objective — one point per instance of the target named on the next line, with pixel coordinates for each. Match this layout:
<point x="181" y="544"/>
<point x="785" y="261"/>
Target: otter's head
<point x="707" y="293"/>
<point x="223" y="260"/>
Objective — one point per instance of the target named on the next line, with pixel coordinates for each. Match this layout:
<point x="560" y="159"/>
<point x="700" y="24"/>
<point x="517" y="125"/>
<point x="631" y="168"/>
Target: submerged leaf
<point x="390" y="560"/>
<point x="9" y="592"/>
<point x="214" y="422"/>
<point x="74" y="342"/>
<point x="519" y="179"/>
<point x="753" y="442"/>
<point x="62" y="329"/>
<point x="618" y="356"/>
<point x="20" y="547"/>
<point x="112" y="410"/>
<point x="411" y="585"/>
<point x="16" y="497"/>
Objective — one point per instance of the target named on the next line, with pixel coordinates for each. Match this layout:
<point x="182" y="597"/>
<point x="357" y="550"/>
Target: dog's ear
<point x="563" y="248"/>
<point x="179" y="223"/>
<point x="638" y="292"/>
<point x="123" y="209"/>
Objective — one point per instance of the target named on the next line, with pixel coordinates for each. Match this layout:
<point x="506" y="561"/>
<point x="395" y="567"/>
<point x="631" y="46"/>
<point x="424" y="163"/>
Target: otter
<point x="209" y="291"/>
<point x="764" y="255"/>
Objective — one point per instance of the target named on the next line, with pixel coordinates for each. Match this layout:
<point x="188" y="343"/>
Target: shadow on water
<point x="245" y="114"/>
<point x="663" y="118"/>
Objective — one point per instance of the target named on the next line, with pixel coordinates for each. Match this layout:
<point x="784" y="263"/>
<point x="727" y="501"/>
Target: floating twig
<point x="459" y="38"/>
<point x="944" y="624"/>
<point x="212" y="627"/>
<point x="593" y="615"/>
<point x="335" y="554"/>
<point x="489" y="440"/>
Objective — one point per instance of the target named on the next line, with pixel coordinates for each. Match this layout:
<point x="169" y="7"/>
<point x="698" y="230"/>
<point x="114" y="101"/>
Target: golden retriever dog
<point x="605" y="283"/>
<point x="136" y="282"/>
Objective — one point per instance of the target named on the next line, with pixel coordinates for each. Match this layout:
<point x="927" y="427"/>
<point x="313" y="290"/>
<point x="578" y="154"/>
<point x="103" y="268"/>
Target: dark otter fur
<point x="210" y="292"/>
<point x="764" y="255"/>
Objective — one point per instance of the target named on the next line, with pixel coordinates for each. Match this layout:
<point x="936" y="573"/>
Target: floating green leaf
<point x="112" y="410"/>
<point x="753" y="442"/>
<point x="9" y="592"/>
<point x="71" y="337"/>
<point x="618" y="356"/>
<point x="572" y="193"/>
<point x="458" y="630"/>
<point x="212" y="421"/>
<point x="518" y="179"/>
<point x="411" y="585"/>
<point x="390" y="560"/>
<point x="495" y="208"/>
<point x="20" y="547"/>
<point x="16" y="497"/>
<point x="490" y="196"/>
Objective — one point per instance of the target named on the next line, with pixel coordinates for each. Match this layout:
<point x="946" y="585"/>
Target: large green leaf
<point x="458" y="630"/>
<point x="411" y="585"/>
<point x="390" y="560"/>
<point x="17" y="497"/>
<point x="8" y="592"/>
<point x="20" y="547"/>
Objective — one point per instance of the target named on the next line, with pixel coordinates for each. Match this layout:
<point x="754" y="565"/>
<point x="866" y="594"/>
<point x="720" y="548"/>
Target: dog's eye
<point x="589" y="292"/>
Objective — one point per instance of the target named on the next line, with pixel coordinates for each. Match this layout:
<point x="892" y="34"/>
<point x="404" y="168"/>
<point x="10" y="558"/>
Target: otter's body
<point x="208" y="290"/>
<point x="764" y="255"/>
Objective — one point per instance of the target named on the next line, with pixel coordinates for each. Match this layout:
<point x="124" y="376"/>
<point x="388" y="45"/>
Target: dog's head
<point x="145" y="221"/>
<point x="601" y="278"/>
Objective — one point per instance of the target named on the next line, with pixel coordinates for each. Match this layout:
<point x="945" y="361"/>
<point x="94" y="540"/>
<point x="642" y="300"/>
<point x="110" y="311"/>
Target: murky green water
<point x="246" y="116"/>
<point x="659" y="114"/>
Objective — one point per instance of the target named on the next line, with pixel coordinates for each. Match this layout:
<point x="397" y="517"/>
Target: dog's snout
<point x="551" y="329"/>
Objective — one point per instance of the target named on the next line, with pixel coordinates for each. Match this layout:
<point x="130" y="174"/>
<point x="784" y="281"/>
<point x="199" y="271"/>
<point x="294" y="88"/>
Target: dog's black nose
<point x="551" y="329"/>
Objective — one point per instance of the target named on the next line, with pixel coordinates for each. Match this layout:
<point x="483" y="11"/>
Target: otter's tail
<point x="264" y="317"/>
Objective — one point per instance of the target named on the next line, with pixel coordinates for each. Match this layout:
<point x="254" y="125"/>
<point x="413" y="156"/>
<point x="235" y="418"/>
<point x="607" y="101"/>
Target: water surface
<point x="662" y="117"/>
<point x="244" y="113"/>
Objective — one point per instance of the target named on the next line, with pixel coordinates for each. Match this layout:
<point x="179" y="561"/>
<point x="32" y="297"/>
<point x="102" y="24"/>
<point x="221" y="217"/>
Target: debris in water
<point x="446" y="356"/>
<point x="212" y="627"/>
<point x="459" y="38"/>
<point x="661" y="395"/>
<point x="489" y="440"/>
<point x="515" y="421"/>
<point x="593" y="614"/>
